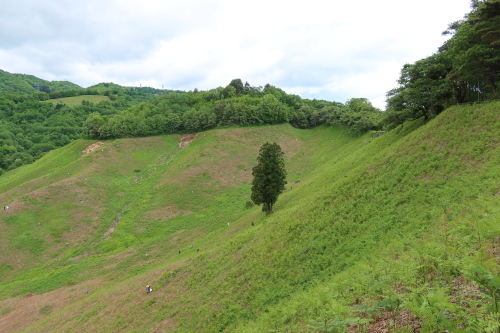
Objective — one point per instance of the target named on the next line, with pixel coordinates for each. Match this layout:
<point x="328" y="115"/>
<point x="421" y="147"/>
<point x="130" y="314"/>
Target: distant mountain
<point x="103" y="86"/>
<point x="22" y="84"/>
<point x="106" y="85"/>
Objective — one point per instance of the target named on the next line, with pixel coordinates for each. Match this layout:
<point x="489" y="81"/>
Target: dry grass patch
<point x="167" y="325"/>
<point x="164" y="213"/>
<point x="131" y="145"/>
<point x="91" y="148"/>
<point x="223" y="165"/>
<point x="253" y="138"/>
<point x="26" y="309"/>
<point x="126" y="302"/>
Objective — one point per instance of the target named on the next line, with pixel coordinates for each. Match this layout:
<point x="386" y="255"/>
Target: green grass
<point x="47" y="309"/>
<point x="376" y="229"/>
<point x="77" y="100"/>
<point x="4" y="311"/>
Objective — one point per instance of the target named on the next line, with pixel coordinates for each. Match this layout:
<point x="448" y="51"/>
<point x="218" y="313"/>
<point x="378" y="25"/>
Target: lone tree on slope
<point x="269" y="176"/>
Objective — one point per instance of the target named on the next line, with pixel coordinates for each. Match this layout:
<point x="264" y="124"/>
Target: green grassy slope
<point x="393" y="232"/>
<point x="77" y="100"/>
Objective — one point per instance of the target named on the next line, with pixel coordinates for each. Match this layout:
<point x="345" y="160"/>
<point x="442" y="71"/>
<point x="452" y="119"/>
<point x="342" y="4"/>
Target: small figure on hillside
<point x="198" y="250"/>
<point x="149" y="289"/>
<point x="86" y="291"/>
<point x="191" y="246"/>
<point x="179" y="252"/>
<point x="5" y="207"/>
<point x="31" y="293"/>
<point x="253" y="224"/>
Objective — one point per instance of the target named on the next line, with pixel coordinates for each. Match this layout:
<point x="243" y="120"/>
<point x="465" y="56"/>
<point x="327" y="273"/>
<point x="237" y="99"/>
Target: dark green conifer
<point x="269" y="176"/>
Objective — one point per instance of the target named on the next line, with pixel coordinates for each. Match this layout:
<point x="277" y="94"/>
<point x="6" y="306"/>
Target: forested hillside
<point x="22" y="84"/>
<point x="237" y="104"/>
<point x="465" y="69"/>
<point x="31" y="126"/>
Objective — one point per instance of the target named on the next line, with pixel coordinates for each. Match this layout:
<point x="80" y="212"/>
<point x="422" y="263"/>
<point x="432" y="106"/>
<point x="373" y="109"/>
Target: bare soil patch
<point x="186" y="140"/>
<point x="92" y="147"/>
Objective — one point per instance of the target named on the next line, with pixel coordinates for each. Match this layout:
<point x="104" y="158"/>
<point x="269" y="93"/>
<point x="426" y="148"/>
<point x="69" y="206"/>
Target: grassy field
<point x="397" y="233"/>
<point x="77" y="100"/>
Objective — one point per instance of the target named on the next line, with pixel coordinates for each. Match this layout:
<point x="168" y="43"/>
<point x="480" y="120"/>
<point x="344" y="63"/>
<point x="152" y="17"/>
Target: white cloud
<point x="318" y="49"/>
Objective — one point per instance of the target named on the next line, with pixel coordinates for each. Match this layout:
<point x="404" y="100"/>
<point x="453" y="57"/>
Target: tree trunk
<point x="269" y="207"/>
<point x="493" y="85"/>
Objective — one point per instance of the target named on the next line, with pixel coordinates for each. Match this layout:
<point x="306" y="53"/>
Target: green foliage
<point x="474" y="50"/>
<point x="236" y="104"/>
<point x="269" y="176"/>
<point x="488" y="281"/>
<point x="31" y="126"/>
<point x="238" y="86"/>
<point x="359" y="117"/>
<point x="424" y="91"/>
<point x="21" y="84"/>
<point x="466" y="69"/>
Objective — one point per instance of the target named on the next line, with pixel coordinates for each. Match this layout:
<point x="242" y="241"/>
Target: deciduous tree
<point x="424" y="91"/>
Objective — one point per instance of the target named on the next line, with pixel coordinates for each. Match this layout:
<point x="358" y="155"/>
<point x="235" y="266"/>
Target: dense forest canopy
<point x="237" y="104"/>
<point x="466" y="68"/>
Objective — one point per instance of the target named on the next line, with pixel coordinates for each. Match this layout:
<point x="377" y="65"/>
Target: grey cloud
<point x="187" y="44"/>
<point x="100" y="32"/>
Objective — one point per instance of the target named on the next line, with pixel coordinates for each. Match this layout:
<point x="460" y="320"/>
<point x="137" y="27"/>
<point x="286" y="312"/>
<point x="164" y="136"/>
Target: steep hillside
<point x="394" y="232"/>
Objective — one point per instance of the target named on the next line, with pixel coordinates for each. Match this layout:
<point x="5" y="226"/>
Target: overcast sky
<point x="332" y="50"/>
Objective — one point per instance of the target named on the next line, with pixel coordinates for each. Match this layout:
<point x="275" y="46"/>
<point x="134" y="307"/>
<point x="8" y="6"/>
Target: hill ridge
<point x="28" y="84"/>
